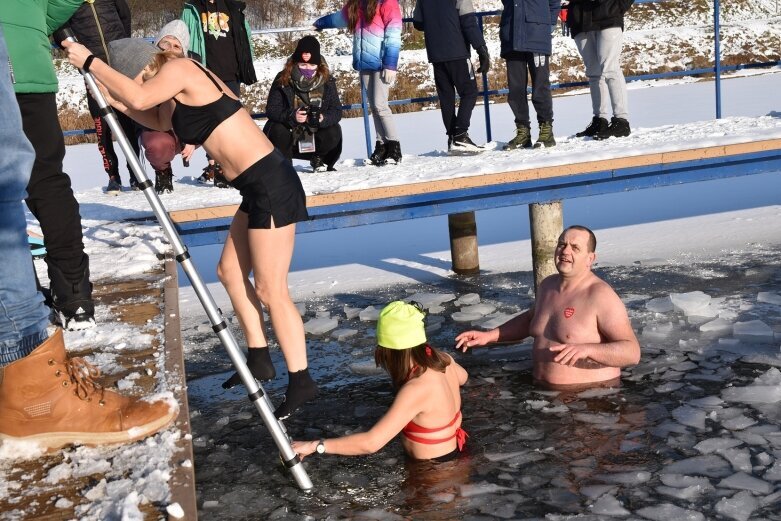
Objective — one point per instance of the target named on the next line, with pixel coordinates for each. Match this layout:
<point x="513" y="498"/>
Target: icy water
<point x="693" y="431"/>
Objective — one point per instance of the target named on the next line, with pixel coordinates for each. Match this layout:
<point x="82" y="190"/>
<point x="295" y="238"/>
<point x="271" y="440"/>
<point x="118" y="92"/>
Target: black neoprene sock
<point x="259" y="364"/>
<point x="300" y="389"/>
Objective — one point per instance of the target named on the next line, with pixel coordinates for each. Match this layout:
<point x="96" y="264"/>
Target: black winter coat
<point x="595" y="15"/>
<point x="450" y="27"/>
<point x="99" y="22"/>
<point x="283" y="102"/>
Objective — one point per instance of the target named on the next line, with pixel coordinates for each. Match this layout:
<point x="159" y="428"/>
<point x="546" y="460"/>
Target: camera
<point x="313" y="117"/>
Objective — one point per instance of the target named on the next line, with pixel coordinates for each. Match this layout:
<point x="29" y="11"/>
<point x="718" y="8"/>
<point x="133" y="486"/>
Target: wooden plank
<point x="515" y="176"/>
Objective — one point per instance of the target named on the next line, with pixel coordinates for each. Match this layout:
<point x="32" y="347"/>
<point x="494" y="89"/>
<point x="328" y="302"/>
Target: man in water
<point x="582" y="334"/>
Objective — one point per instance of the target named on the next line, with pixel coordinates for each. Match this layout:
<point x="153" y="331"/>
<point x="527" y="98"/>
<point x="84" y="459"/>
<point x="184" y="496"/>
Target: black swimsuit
<point x="270" y="188"/>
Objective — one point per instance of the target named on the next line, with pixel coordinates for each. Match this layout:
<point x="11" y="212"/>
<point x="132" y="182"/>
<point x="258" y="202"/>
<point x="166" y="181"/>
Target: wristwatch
<point x="321" y="446"/>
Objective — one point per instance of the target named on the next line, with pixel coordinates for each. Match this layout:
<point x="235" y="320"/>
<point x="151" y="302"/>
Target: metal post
<point x="486" y="98"/>
<point x="254" y="389"/>
<point x="546" y="224"/>
<point x="717" y="55"/>
<point x="365" y="110"/>
<point x="463" y="243"/>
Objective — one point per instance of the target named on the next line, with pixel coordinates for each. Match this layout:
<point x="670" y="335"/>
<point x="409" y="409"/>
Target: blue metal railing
<point x="486" y="93"/>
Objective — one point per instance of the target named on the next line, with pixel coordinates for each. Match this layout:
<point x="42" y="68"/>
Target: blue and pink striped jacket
<point x="375" y="45"/>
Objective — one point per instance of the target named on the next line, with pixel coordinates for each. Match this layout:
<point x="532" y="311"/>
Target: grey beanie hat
<point x="177" y="29"/>
<point x="130" y="55"/>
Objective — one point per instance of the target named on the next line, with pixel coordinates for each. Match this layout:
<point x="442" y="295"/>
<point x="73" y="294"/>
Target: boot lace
<point x="82" y="375"/>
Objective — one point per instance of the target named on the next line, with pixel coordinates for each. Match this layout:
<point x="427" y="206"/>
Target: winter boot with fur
<point x="52" y="400"/>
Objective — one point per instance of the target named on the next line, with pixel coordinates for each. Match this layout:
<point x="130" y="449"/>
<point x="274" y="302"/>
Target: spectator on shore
<point x="46" y="397"/>
<point x="427" y="406"/>
<point x="162" y="91"/>
<point x="220" y="35"/>
<point x="160" y="148"/>
<point x="95" y="24"/>
<point x="376" y="29"/>
<point x="49" y="194"/>
<point x="525" y="33"/>
<point x="304" y="109"/>
<point x="598" y="30"/>
<point x="449" y="29"/>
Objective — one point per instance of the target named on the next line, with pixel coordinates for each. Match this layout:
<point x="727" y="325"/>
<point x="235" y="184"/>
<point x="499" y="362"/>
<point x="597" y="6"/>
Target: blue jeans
<point x="23" y="316"/>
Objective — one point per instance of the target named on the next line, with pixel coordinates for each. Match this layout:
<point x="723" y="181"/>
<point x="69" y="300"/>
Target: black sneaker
<point x="378" y="156"/>
<point x="461" y="144"/>
<point x="619" y="127"/>
<point x="317" y="164"/>
<point x="393" y="151"/>
<point x="164" y="181"/>
<point x="71" y="301"/>
<point x="114" y="185"/>
<point x="219" y="177"/>
<point x="597" y="125"/>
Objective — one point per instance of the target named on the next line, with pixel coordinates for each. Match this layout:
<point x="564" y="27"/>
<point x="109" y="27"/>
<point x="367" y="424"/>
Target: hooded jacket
<point x="595" y="15"/>
<point x="525" y="25"/>
<point x="191" y="15"/>
<point x="376" y="44"/>
<point x="27" y="25"/>
<point x="98" y="22"/>
<point x="283" y="102"/>
<point x="450" y="27"/>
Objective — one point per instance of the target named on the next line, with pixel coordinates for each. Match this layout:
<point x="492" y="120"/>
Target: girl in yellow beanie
<point x="427" y="408"/>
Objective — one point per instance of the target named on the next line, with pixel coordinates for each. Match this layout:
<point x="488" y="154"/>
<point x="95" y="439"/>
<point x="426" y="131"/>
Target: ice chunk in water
<point x="769" y="298"/>
<point x="659" y="305"/>
<point x="740" y="459"/>
<point x="369" y="314"/>
<point x="753" y="331"/>
<point x="690" y="416"/>
<point x="625" y="478"/>
<point x="693" y="303"/>
<point x="706" y="402"/>
<point x="467" y="299"/>
<point x="657" y="331"/>
<point x="483" y="309"/>
<point x="668" y="511"/>
<point x="774" y="472"/>
<point x="598" y="392"/>
<point x="496" y="320"/>
<point x="428" y="300"/>
<point x="462" y="316"/>
<point x="595" y="491"/>
<point x="765" y="389"/>
<point x="351" y="312"/>
<point x="608" y="505"/>
<point x="477" y="489"/>
<point x="681" y="481"/>
<point x="716" y="444"/>
<point x="366" y="368"/>
<point x="738" y="507"/>
<point x="318" y="326"/>
<point x="668" y="387"/>
<point x="742" y="481"/>
<point x="600" y="419"/>
<point x="687" y="493"/>
<point x="343" y="334"/>
<point x="738" y="423"/>
<point x="719" y="325"/>
<point x="709" y="465"/>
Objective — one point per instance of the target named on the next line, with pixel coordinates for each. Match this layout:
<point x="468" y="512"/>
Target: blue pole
<point x="717" y="56"/>
<point x="486" y="97"/>
<point x="365" y="110"/>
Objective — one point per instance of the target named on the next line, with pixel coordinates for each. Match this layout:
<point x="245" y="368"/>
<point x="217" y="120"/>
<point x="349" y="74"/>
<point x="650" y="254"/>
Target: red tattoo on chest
<point x="568" y="312"/>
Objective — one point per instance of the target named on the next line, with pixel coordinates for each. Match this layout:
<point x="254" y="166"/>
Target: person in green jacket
<point x="27" y="25"/>
<point x="220" y="34"/>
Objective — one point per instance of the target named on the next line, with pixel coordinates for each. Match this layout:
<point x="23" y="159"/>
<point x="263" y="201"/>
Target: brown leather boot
<point x="50" y="399"/>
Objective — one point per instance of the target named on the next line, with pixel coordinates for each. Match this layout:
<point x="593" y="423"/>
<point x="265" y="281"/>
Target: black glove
<point x="485" y="60"/>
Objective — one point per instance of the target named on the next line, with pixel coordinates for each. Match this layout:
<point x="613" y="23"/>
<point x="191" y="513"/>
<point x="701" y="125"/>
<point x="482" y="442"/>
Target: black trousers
<point x="105" y="138"/>
<point x="521" y="65"/>
<point x="328" y="142"/>
<point x="49" y="194"/>
<point x="451" y="77"/>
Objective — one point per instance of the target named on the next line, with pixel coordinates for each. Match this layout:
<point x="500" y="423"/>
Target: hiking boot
<point x="208" y="174"/>
<point x="71" y="301"/>
<point x="219" y="177"/>
<point x="522" y="139"/>
<point x="619" y="127"/>
<point x="462" y="144"/>
<point x="164" y="181"/>
<point x="597" y="125"/>
<point x="545" y="139"/>
<point x="378" y="156"/>
<point x="114" y="185"/>
<point x="317" y="164"/>
<point x="393" y="149"/>
<point x="52" y="400"/>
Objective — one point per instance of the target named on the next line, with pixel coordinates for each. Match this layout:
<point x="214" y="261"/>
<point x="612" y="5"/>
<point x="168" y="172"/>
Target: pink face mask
<point x="307" y="73"/>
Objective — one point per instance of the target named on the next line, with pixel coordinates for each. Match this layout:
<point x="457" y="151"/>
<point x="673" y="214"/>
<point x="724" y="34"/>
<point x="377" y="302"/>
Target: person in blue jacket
<point x="450" y="27"/>
<point x="525" y="34"/>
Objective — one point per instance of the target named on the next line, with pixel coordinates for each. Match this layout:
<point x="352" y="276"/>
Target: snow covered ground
<point x="641" y="234"/>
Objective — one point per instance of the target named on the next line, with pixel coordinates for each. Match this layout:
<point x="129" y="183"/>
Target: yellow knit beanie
<point x="400" y="326"/>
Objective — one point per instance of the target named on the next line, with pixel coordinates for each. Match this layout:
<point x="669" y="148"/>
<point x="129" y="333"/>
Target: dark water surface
<point x="532" y="453"/>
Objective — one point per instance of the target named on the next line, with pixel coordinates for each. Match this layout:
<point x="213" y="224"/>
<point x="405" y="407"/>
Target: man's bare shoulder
<point x="603" y="293"/>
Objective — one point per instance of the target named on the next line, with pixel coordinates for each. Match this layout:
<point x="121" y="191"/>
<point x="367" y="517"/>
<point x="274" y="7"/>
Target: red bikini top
<point x="413" y="427"/>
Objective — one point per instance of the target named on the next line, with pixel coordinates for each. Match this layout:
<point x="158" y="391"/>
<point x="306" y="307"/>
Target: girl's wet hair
<point x="158" y="60"/>
<point x="397" y="362"/>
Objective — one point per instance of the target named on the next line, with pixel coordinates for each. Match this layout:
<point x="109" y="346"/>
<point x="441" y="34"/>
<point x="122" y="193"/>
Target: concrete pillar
<point x="463" y="243"/>
<point x="546" y="224"/>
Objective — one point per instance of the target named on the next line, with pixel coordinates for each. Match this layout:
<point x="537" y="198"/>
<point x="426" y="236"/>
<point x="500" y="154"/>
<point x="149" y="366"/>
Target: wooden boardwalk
<point x="144" y="302"/>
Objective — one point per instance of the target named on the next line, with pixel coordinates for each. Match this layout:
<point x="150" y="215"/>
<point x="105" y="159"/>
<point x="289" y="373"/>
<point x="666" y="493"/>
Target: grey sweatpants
<point x="377" y="92"/>
<point x="601" y="53"/>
